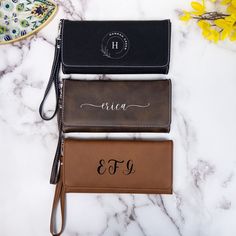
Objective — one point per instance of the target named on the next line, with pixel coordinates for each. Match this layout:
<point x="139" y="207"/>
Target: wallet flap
<point x="131" y="106"/>
<point x="115" y="46"/>
<point x="117" y="166"/>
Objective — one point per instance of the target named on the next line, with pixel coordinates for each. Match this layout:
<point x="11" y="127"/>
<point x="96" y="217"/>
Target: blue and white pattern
<point x="19" y="18"/>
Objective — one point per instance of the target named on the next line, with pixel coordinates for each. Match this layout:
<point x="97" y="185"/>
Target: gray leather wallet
<point x="116" y="106"/>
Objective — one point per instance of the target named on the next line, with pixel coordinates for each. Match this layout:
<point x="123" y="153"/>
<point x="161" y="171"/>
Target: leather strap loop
<point x="55" y="166"/>
<point x="58" y="197"/>
<point x="56" y="162"/>
<point x="54" y="78"/>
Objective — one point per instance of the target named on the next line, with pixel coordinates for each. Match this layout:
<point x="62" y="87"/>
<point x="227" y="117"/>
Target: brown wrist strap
<point x="58" y="197"/>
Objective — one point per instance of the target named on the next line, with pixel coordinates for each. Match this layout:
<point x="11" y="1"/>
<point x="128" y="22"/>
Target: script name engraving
<point x="112" y="166"/>
<point x="106" y="106"/>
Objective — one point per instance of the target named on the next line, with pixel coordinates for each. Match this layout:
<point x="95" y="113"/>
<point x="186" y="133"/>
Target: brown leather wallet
<point x="112" y="166"/>
<point x="112" y="106"/>
<point x="116" y="106"/>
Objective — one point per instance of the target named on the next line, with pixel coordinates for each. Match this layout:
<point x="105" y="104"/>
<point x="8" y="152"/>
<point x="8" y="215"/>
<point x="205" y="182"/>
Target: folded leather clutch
<point x="117" y="166"/>
<point x="116" y="106"/>
<point x="113" y="166"/>
<point x="104" y="47"/>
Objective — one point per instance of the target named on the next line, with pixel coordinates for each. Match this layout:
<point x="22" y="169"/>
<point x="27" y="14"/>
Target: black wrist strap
<point x="55" y="172"/>
<point x="54" y="78"/>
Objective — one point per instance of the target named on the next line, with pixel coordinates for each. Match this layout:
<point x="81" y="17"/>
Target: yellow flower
<point x="224" y="34"/>
<point x="198" y="7"/>
<point x="231" y="9"/>
<point x="206" y="33"/>
<point x="225" y="2"/>
<point x="233" y="36"/>
<point x="203" y="24"/>
<point x="214" y="30"/>
<point x="233" y="3"/>
<point x="206" y="28"/>
<point x="213" y="35"/>
<point x="231" y="19"/>
<point x="216" y="36"/>
<point x="226" y="25"/>
<point x="186" y="16"/>
<point x="223" y="24"/>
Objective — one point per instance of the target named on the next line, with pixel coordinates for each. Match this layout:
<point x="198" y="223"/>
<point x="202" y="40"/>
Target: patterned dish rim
<point x="34" y="31"/>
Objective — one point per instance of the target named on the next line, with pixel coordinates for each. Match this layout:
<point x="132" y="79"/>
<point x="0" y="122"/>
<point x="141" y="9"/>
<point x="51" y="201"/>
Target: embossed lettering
<point x="101" y="168"/>
<point x="114" y="45"/>
<point x="114" y="106"/>
<point x="112" y="166"/>
<point x="130" y="168"/>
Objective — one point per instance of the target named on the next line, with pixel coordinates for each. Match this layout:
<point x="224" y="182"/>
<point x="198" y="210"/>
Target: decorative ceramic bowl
<point x="22" y="18"/>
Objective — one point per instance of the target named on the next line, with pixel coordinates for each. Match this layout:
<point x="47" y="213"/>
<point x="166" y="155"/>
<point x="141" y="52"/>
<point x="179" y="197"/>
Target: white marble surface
<point x="203" y="130"/>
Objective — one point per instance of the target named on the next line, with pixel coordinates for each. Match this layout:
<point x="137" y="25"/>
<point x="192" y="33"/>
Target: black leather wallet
<point x="104" y="47"/>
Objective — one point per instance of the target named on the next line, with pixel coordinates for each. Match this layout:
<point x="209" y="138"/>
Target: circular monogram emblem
<point x="115" y="45"/>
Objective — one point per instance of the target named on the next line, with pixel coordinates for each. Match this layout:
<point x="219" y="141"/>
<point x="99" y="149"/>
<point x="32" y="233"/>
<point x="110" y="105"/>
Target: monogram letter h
<point x="114" y="45"/>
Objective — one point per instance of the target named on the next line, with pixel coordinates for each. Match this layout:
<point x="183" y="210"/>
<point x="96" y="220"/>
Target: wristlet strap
<point x="56" y="162"/>
<point x="54" y="78"/>
<point x="58" y="197"/>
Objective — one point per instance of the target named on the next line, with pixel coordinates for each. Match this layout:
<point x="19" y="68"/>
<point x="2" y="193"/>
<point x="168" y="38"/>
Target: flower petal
<point x="233" y="36"/>
<point x="197" y="6"/>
